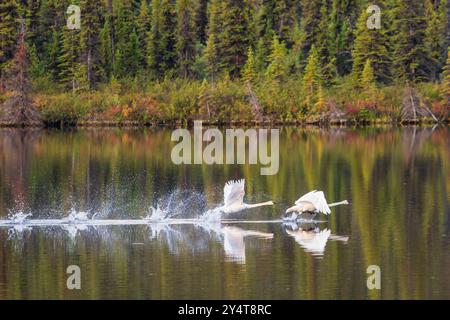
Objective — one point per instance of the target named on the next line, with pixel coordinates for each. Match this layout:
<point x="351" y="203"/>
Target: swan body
<point x="310" y="204"/>
<point x="234" y="192"/>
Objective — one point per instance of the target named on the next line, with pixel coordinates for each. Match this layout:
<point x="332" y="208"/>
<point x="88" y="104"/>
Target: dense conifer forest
<point x="224" y="60"/>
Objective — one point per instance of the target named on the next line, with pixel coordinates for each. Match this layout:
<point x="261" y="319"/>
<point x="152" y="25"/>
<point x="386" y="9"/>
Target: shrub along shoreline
<point x="178" y="102"/>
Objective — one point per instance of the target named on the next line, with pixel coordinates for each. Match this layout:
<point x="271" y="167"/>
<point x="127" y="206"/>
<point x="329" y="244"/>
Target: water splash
<point x="212" y="215"/>
<point x="77" y="216"/>
<point x="19" y="217"/>
<point x="72" y="230"/>
<point x="156" y="214"/>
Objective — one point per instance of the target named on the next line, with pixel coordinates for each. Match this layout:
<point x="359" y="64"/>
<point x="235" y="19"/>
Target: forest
<point x="164" y="61"/>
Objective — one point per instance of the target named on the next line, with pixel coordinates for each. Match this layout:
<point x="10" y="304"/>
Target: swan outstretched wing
<point x="306" y="197"/>
<point x="234" y="192"/>
<point x="317" y="198"/>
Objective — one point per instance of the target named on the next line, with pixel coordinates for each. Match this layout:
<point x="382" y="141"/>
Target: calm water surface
<point x="395" y="179"/>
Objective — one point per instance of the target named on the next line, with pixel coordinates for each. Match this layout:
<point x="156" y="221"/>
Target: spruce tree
<point x="161" y="43"/>
<point x="312" y="79"/>
<point x="434" y="39"/>
<point x="91" y="23"/>
<point x="201" y="20"/>
<point x="310" y="28"/>
<point x="234" y="38"/>
<point x="411" y="57"/>
<point x="9" y="16"/>
<point x="36" y="68"/>
<point x="70" y="65"/>
<point x="446" y="80"/>
<point x="367" y="80"/>
<point x="143" y="28"/>
<point x="125" y="29"/>
<point x="325" y="45"/>
<point x="213" y="51"/>
<point x="278" y="67"/>
<point x="105" y="52"/>
<point x="248" y="72"/>
<point x="134" y="55"/>
<point x="371" y="44"/>
<point x="185" y="36"/>
<point x="53" y="51"/>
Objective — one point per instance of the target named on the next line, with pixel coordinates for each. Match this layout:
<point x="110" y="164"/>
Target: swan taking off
<point x="312" y="203"/>
<point x="234" y="192"/>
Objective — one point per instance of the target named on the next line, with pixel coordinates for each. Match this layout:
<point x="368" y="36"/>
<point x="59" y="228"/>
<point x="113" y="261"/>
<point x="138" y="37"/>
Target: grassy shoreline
<point x="178" y="102"/>
<point x="177" y="124"/>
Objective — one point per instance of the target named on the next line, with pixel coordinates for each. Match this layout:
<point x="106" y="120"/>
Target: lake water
<point x="396" y="181"/>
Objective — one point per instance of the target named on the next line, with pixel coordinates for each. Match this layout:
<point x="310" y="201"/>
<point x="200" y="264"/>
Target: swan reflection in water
<point x="311" y="238"/>
<point x="231" y="237"/>
<point x="234" y="241"/>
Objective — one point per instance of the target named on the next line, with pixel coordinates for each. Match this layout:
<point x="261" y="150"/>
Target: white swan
<point x="312" y="203"/>
<point x="234" y="192"/>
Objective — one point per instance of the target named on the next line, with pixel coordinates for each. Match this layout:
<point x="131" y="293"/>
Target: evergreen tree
<point x="371" y="44"/>
<point x="36" y="68"/>
<point x="9" y="16"/>
<point x="51" y="17"/>
<point x="185" y="37"/>
<point x="261" y="55"/>
<point x="367" y="80"/>
<point x="310" y="28"/>
<point x="320" y="105"/>
<point x="343" y="20"/>
<point x="143" y="28"/>
<point x="233" y="41"/>
<point x="277" y="68"/>
<point x="201" y="20"/>
<point x="162" y="41"/>
<point x="434" y="39"/>
<point x="312" y="79"/>
<point x="446" y="80"/>
<point x="70" y="66"/>
<point x="248" y="72"/>
<point x="125" y="28"/>
<point x="53" y="51"/>
<point x="134" y="56"/>
<point x="212" y="52"/>
<point x="276" y="17"/>
<point x="325" y="45"/>
<point x="32" y="17"/>
<point x="105" y="52"/>
<point x="91" y="22"/>
<point x="411" y="57"/>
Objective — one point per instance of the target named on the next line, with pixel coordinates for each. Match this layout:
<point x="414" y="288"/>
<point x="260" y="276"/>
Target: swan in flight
<point x="310" y="204"/>
<point x="234" y="192"/>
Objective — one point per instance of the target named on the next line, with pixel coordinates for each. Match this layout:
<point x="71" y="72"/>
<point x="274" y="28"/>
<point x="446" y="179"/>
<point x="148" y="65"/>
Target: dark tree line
<point x="318" y="39"/>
